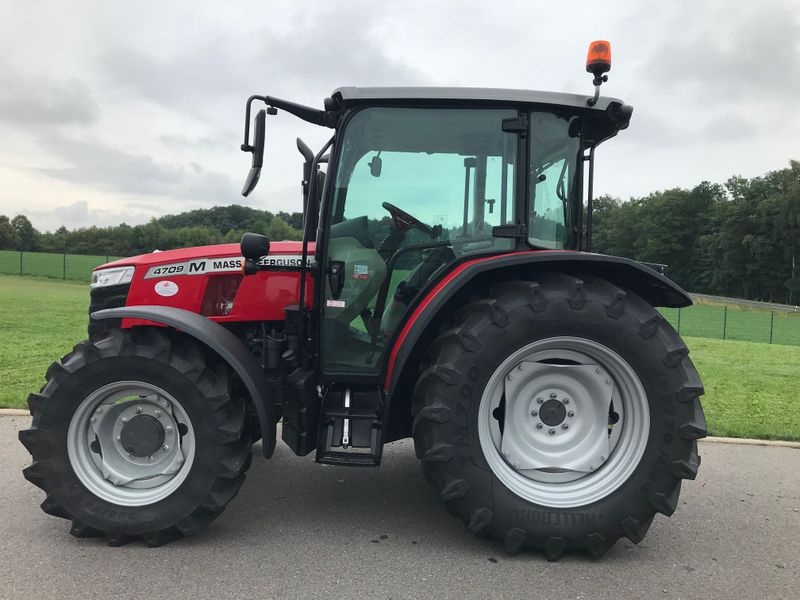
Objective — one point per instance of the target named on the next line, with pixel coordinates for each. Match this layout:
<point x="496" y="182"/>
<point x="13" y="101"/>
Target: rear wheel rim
<point x="131" y="443"/>
<point x="545" y="422"/>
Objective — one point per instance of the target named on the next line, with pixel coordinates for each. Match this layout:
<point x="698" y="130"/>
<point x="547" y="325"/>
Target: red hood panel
<point x="215" y="251"/>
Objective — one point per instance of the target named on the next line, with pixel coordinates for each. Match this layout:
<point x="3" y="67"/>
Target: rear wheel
<point x="137" y="435"/>
<point x="559" y="414"/>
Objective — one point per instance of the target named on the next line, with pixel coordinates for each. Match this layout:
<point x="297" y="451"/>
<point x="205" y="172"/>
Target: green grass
<point x="742" y="324"/>
<point x="40" y="321"/>
<point x="57" y="266"/>
<point x="751" y="388"/>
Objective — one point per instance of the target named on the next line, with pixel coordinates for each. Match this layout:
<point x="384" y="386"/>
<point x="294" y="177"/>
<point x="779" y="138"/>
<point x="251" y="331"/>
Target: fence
<point x="77" y="267"/>
<point x="726" y="322"/>
<point x="736" y="323"/>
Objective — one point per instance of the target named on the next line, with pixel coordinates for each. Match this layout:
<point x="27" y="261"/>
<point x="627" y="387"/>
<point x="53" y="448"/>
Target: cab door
<point x="414" y="190"/>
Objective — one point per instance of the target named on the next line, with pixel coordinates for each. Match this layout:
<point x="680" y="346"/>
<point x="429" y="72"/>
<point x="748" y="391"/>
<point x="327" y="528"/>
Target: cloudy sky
<point x="115" y="111"/>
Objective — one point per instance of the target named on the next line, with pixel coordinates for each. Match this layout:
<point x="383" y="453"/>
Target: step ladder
<point x="351" y="427"/>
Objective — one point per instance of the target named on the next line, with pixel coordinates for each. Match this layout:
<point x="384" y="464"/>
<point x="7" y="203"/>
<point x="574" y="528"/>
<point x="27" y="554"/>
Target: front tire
<point x="137" y="434"/>
<point x="559" y="414"/>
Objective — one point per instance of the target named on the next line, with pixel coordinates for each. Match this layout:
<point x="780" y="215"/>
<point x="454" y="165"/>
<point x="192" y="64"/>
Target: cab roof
<point x="605" y="118"/>
<point x="353" y="94"/>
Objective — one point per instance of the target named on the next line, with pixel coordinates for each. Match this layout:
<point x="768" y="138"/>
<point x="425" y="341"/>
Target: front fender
<point x="221" y="341"/>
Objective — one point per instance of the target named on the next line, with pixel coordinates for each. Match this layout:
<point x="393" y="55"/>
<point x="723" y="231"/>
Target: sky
<point x="120" y="112"/>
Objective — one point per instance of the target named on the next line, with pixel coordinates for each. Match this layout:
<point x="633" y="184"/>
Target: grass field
<point x="57" y="266"/>
<point x="751" y="388"/>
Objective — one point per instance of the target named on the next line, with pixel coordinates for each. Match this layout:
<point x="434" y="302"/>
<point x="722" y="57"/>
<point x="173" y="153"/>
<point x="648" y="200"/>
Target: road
<point x="300" y="530"/>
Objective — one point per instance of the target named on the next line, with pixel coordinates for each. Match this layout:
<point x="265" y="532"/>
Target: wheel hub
<point x="542" y="433"/>
<point x="142" y="435"/>
<point x="571" y="455"/>
<point x="131" y="443"/>
<point x="552" y="413"/>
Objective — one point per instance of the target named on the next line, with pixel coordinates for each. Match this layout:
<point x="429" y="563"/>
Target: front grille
<point x="112" y="296"/>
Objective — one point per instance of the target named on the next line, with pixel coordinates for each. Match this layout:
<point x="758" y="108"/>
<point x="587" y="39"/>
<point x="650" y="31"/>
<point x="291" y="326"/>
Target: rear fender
<point x="653" y="287"/>
<point x="221" y="341"/>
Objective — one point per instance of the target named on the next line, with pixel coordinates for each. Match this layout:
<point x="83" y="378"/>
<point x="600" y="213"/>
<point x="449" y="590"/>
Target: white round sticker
<point x="166" y="288"/>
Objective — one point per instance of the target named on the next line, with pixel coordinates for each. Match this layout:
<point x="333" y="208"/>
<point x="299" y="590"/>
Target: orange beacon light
<point x="598" y="60"/>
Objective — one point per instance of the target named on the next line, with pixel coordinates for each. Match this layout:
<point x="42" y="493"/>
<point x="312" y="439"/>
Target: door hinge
<point x="518" y="125"/>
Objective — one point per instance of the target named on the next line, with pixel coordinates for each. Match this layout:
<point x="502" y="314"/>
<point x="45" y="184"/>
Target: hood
<point x="215" y="251"/>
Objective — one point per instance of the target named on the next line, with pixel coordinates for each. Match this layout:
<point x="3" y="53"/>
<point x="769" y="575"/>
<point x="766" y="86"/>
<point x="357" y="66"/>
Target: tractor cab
<point x="420" y="179"/>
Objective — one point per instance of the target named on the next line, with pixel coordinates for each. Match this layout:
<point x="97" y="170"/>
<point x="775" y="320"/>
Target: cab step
<point x="351" y="427"/>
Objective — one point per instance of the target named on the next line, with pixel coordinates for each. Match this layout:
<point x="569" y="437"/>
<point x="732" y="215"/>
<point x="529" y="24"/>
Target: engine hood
<point x="198" y="252"/>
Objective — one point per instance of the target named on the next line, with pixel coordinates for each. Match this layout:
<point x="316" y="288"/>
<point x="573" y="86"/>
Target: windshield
<point x="450" y="168"/>
<point x="555" y="147"/>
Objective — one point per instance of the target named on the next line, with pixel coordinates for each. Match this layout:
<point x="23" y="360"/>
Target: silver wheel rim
<point x="95" y="441"/>
<point x="581" y="458"/>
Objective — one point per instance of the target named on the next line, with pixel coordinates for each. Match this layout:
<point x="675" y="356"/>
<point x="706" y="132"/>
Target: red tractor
<point x="443" y="290"/>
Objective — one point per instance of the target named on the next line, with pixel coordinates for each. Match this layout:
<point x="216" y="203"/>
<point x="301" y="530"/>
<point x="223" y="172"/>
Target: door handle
<point x="336" y="278"/>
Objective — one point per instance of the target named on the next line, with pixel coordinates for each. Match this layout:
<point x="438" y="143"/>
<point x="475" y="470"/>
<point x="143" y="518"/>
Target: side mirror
<point x="254" y="246"/>
<point x="257" y="149"/>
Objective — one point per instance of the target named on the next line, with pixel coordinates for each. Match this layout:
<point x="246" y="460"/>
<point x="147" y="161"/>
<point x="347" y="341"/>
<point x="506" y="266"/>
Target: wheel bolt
<point x="591" y="467"/>
<point x="534" y="413"/>
<point x="165" y="448"/>
<point x="566" y="400"/>
<point x="149" y="459"/>
<point x="157" y="413"/>
<point x="553" y="394"/>
<point x="119" y="438"/>
<point x="598" y="370"/>
<point x="539" y="426"/>
<point x="608" y="382"/>
<point x="521" y="366"/>
<point x="603" y="458"/>
<point x="123" y="420"/>
<point x="564" y="426"/>
<point x="510" y="378"/>
<point x="539" y="401"/>
<point x="180" y="461"/>
<point x="516" y="465"/>
<point x="138" y="410"/>
<point x="99" y="411"/>
<point x="169" y="429"/>
<point x="92" y="420"/>
<point x="551" y="431"/>
<point x="571" y="413"/>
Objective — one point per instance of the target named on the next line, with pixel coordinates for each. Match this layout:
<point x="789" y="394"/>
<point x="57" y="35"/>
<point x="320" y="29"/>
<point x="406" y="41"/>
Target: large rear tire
<point x="559" y="414"/>
<point x="136" y="434"/>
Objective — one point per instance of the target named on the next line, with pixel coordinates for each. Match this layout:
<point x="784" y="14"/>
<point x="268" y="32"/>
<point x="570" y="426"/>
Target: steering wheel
<point x="404" y="221"/>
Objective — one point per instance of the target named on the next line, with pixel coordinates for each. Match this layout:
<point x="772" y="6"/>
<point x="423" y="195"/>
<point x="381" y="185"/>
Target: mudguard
<point x="221" y="341"/>
<point x="652" y="286"/>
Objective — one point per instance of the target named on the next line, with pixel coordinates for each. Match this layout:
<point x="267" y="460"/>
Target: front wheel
<point x="137" y="434"/>
<point x="559" y="414"/>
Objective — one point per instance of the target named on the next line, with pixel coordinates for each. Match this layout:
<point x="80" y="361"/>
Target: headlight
<point x="115" y="276"/>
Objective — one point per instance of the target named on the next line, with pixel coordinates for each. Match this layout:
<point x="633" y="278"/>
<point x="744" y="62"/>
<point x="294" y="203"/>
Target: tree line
<point x="194" y="228"/>
<point x="740" y="239"/>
